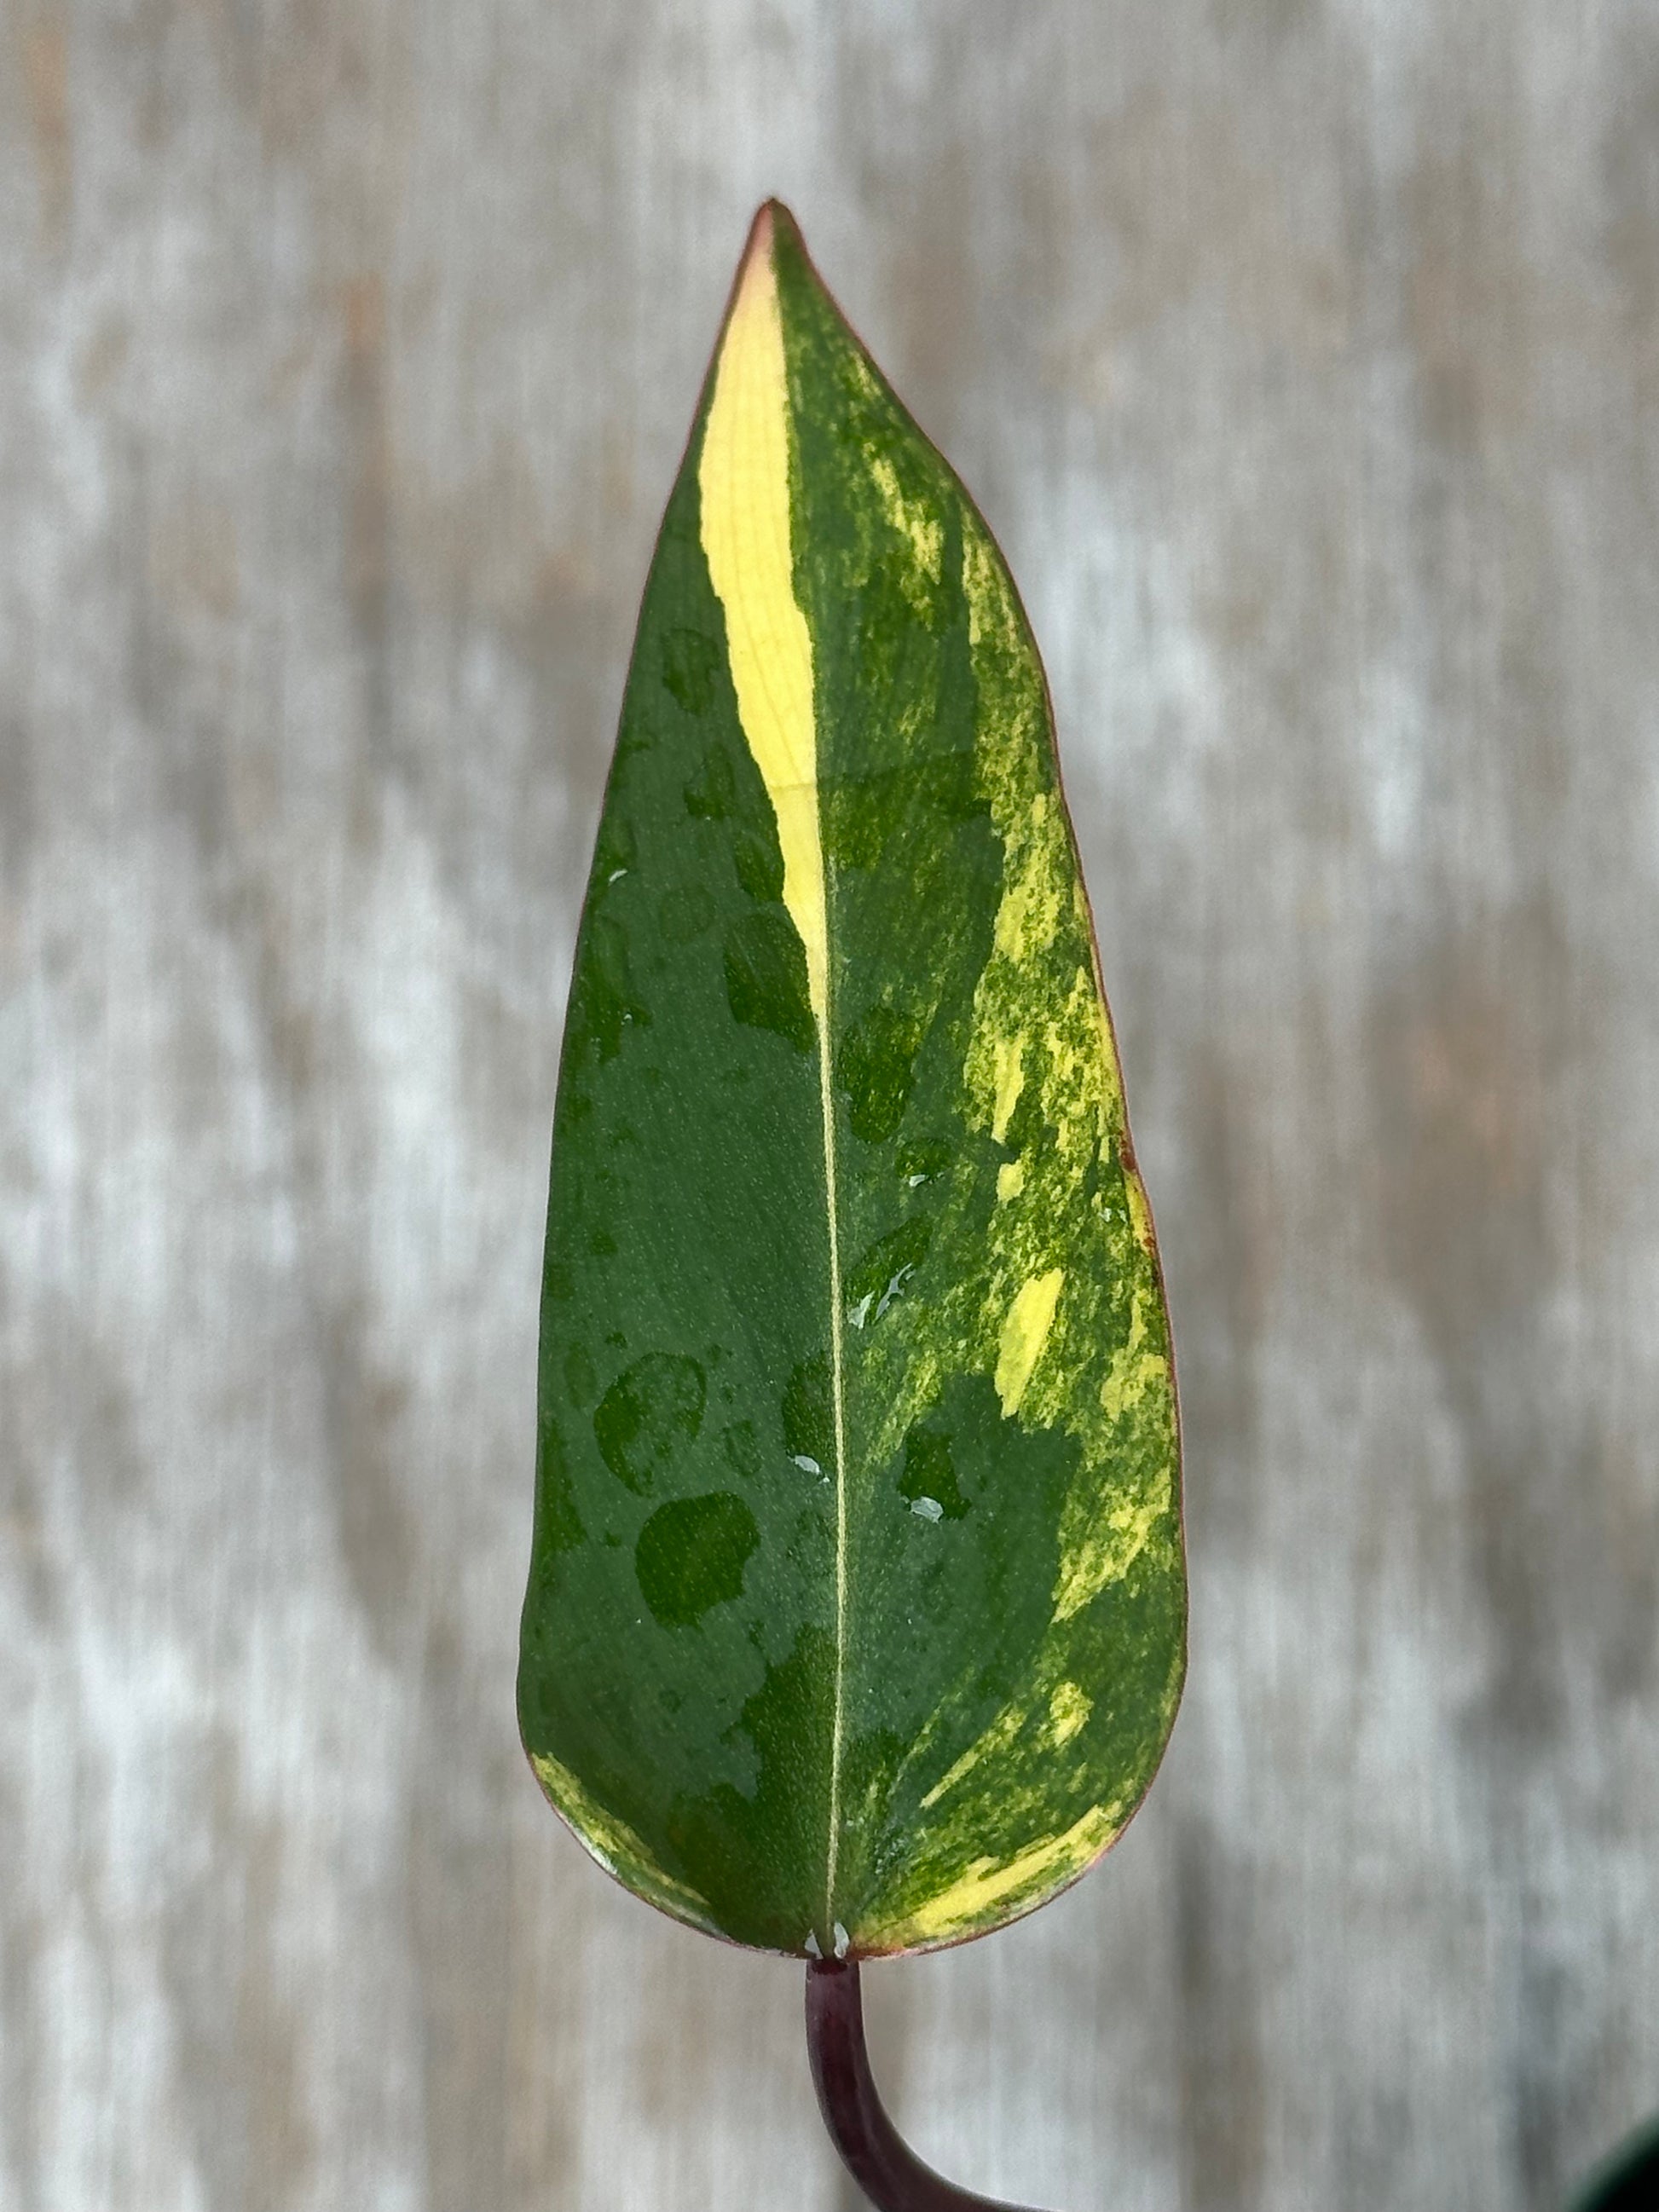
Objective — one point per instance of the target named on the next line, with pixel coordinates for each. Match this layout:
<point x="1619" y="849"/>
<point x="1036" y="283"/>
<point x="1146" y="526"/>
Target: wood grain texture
<point x="1305" y="355"/>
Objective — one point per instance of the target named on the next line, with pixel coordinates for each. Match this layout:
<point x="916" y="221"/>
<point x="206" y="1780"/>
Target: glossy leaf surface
<point x="856" y="1610"/>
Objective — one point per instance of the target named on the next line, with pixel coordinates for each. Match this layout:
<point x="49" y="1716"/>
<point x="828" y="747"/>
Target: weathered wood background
<point x="1305" y="354"/>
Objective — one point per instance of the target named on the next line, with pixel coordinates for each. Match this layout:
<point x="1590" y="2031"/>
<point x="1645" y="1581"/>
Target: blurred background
<point x="1304" y="354"/>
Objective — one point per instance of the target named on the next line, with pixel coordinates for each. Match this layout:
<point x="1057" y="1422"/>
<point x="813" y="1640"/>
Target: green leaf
<point x="856" y="1613"/>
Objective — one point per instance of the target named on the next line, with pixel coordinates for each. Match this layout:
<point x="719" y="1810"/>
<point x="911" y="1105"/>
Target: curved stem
<point x="875" y="2154"/>
<point x="895" y="2180"/>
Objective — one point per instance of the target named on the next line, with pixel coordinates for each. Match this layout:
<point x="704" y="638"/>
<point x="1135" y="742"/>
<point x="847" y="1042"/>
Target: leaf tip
<point x="772" y="219"/>
<point x="757" y="247"/>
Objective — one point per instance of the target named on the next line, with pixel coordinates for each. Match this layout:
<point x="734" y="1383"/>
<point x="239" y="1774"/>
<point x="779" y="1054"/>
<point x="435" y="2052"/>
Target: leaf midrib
<point x="838" y="1408"/>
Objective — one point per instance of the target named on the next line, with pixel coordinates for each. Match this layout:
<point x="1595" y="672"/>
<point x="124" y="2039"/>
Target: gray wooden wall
<point x="1305" y="355"/>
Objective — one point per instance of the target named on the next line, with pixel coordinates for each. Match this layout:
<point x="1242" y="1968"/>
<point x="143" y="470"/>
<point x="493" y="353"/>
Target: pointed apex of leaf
<point x="773" y="222"/>
<point x="757" y="247"/>
<point x="856" y="1613"/>
<point x="774" y="237"/>
<point x="771" y="217"/>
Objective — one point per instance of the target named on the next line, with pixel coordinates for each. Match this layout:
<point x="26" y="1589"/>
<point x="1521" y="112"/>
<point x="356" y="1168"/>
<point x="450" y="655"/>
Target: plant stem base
<point x="875" y="2154"/>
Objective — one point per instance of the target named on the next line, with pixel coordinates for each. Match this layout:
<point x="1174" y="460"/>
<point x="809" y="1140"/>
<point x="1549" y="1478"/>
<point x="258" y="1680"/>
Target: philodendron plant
<point x="856" y="1618"/>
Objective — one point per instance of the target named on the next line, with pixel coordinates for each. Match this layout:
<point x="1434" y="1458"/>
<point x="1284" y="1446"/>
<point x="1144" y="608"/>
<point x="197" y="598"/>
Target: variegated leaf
<point x="856" y="1611"/>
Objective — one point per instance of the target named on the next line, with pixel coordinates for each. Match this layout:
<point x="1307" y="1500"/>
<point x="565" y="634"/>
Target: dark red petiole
<point x="895" y="2180"/>
<point x="878" y="2159"/>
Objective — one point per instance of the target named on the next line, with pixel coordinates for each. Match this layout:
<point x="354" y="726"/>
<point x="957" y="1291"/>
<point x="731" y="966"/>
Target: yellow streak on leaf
<point x="614" y="1844"/>
<point x="1104" y="1554"/>
<point x="1008" y="1060"/>
<point x="1001" y="1734"/>
<point x="989" y="1882"/>
<point x="1069" y="1707"/>
<point x="1025" y="1332"/>
<point x="743" y="478"/>
<point x="1029" y="912"/>
<point x="924" y="531"/>
<point x="1135" y="1370"/>
<point x="1011" y="1179"/>
<point x="1140" y="1218"/>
